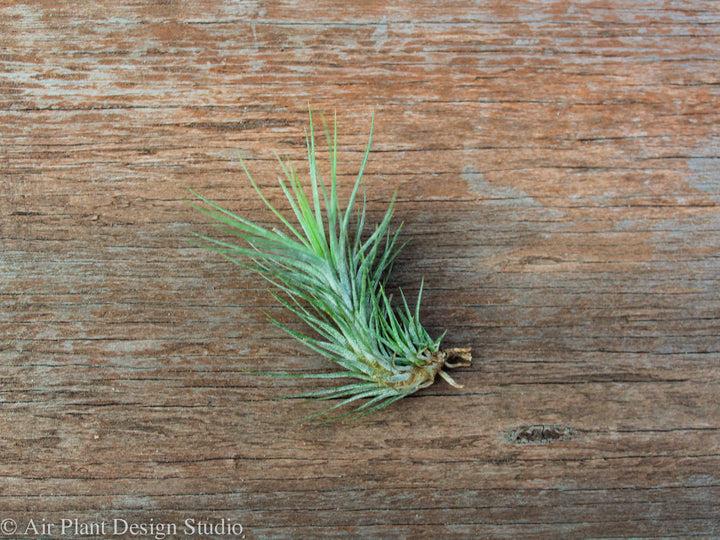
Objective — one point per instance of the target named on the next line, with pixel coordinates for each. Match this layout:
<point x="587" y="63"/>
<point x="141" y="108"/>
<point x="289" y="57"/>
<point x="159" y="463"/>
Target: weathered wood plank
<point x="557" y="167"/>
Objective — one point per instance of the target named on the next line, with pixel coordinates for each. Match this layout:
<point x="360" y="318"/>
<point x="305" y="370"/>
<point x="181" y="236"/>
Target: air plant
<point x="331" y="272"/>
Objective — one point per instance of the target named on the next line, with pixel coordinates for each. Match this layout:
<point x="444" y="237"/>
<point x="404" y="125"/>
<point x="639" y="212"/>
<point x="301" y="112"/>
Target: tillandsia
<point x="327" y="268"/>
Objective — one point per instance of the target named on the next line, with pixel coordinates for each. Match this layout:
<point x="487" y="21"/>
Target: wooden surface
<point x="558" y="169"/>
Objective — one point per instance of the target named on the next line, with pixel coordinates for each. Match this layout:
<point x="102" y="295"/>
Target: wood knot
<point x="541" y="434"/>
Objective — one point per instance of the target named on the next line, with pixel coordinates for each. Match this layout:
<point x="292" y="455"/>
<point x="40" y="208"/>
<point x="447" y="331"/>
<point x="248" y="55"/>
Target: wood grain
<point x="557" y="166"/>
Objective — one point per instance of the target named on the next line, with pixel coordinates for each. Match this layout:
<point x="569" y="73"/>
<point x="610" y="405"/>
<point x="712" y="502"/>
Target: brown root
<point x="458" y="357"/>
<point x="422" y="376"/>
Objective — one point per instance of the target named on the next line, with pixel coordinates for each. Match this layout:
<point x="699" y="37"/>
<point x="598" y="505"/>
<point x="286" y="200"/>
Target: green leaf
<point x="332" y="277"/>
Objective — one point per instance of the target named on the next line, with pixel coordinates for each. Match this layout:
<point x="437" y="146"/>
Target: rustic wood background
<point x="558" y="168"/>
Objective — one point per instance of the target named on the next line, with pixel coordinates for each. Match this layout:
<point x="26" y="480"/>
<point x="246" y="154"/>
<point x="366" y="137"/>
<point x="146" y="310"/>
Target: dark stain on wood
<point x="541" y="434"/>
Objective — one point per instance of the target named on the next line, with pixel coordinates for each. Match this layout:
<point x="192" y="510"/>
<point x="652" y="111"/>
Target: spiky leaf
<point x="331" y="272"/>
